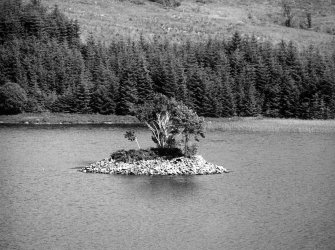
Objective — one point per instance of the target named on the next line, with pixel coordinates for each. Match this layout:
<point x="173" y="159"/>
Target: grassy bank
<point x="63" y="118"/>
<point x="270" y="125"/>
<point x="251" y="124"/>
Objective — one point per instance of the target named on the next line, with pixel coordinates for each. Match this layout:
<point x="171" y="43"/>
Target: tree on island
<point x="188" y="124"/>
<point x="130" y="135"/>
<point x="167" y="119"/>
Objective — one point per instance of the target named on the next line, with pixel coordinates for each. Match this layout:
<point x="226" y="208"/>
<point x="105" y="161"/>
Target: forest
<point x="45" y="66"/>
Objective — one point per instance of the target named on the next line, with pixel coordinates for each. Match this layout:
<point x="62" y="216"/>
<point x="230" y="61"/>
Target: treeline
<point x="44" y="61"/>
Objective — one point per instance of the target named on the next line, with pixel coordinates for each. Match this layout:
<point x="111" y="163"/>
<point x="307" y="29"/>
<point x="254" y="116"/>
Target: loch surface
<point x="279" y="195"/>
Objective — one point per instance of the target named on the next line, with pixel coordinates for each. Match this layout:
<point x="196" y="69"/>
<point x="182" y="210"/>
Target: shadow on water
<point x="159" y="186"/>
<point x="171" y="182"/>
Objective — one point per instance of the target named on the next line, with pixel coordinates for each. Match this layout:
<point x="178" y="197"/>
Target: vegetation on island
<point x="53" y="70"/>
<point x="173" y="127"/>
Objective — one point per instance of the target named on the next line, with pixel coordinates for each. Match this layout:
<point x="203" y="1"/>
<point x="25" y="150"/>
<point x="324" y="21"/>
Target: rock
<point x="196" y="165"/>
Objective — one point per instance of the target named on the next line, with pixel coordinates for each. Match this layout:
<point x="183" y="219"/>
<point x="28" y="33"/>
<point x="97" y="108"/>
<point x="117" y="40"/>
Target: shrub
<point x="168" y="3"/>
<point x="133" y="155"/>
<point x="13" y="99"/>
<point x="168" y="153"/>
<point x="131" y="136"/>
<point x="137" y="2"/>
<point x="146" y="154"/>
<point x="191" y="150"/>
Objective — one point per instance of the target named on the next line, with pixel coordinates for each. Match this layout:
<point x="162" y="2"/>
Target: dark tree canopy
<point x="12" y="99"/>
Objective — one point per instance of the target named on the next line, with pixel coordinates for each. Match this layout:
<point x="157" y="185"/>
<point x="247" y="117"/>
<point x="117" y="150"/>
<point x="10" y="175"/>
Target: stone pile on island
<point x="196" y="165"/>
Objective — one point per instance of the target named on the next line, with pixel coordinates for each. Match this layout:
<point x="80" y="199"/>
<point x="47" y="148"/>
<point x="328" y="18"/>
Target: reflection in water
<point x="162" y="187"/>
<point x="171" y="184"/>
<point x="280" y="194"/>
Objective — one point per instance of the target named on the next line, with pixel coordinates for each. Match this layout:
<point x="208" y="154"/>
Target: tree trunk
<point x="186" y="144"/>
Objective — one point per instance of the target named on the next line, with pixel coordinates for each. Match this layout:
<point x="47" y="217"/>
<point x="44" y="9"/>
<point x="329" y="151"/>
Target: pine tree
<point x="196" y="88"/>
<point x="83" y="94"/>
<point x="209" y="103"/>
<point x="144" y="81"/>
<point x="227" y="97"/>
<point x="234" y="43"/>
<point x="272" y="90"/>
<point x="239" y="98"/>
<point x="88" y="52"/>
<point x="237" y="63"/>
<point x="289" y="97"/>
<point x="127" y="93"/>
<point x="193" y="79"/>
<point x="213" y="107"/>
<point x="33" y="19"/>
<point x="182" y="92"/>
<point x="169" y="87"/>
<point x="251" y="50"/>
<point x="251" y="107"/>
<point x="10" y="24"/>
<point x="250" y="103"/>
<point x="101" y="101"/>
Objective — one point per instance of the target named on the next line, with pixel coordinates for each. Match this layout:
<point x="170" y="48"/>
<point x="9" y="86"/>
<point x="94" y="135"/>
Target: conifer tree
<point x="289" y="97"/>
<point x="272" y="90"/>
<point x="169" y="87"/>
<point x="213" y="104"/>
<point x="10" y="24"/>
<point x="101" y="101"/>
<point x="235" y="42"/>
<point x="227" y="98"/>
<point x="127" y="94"/>
<point x="239" y="98"/>
<point x="83" y="94"/>
<point x="196" y="88"/>
<point x="144" y="81"/>
<point x="182" y="92"/>
<point x="209" y="103"/>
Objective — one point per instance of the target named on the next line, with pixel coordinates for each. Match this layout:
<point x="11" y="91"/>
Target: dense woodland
<point x="44" y="66"/>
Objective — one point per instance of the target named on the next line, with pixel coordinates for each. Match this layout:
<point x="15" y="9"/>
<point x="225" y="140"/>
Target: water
<point x="280" y="194"/>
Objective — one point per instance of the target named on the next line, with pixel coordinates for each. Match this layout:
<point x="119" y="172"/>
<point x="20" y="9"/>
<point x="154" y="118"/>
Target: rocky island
<point x="172" y="125"/>
<point x="195" y="165"/>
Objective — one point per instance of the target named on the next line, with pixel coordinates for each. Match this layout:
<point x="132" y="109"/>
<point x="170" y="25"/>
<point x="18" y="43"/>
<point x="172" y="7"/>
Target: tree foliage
<point x="156" y="114"/>
<point x="12" y="99"/>
<point x="188" y="124"/>
<point x="166" y="118"/>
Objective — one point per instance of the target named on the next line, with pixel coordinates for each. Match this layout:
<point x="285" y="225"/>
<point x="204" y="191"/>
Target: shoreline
<point x="195" y="165"/>
<point x="67" y="119"/>
<point x="242" y="124"/>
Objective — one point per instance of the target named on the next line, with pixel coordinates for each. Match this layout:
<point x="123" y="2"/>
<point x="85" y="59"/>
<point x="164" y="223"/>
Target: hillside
<point x="199" y="18"/>
<point x="45" y="67"/>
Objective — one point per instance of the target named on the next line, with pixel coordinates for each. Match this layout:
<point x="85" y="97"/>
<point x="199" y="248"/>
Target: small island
<point x="195" y="165"/>
<point x="173" y="126"/>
